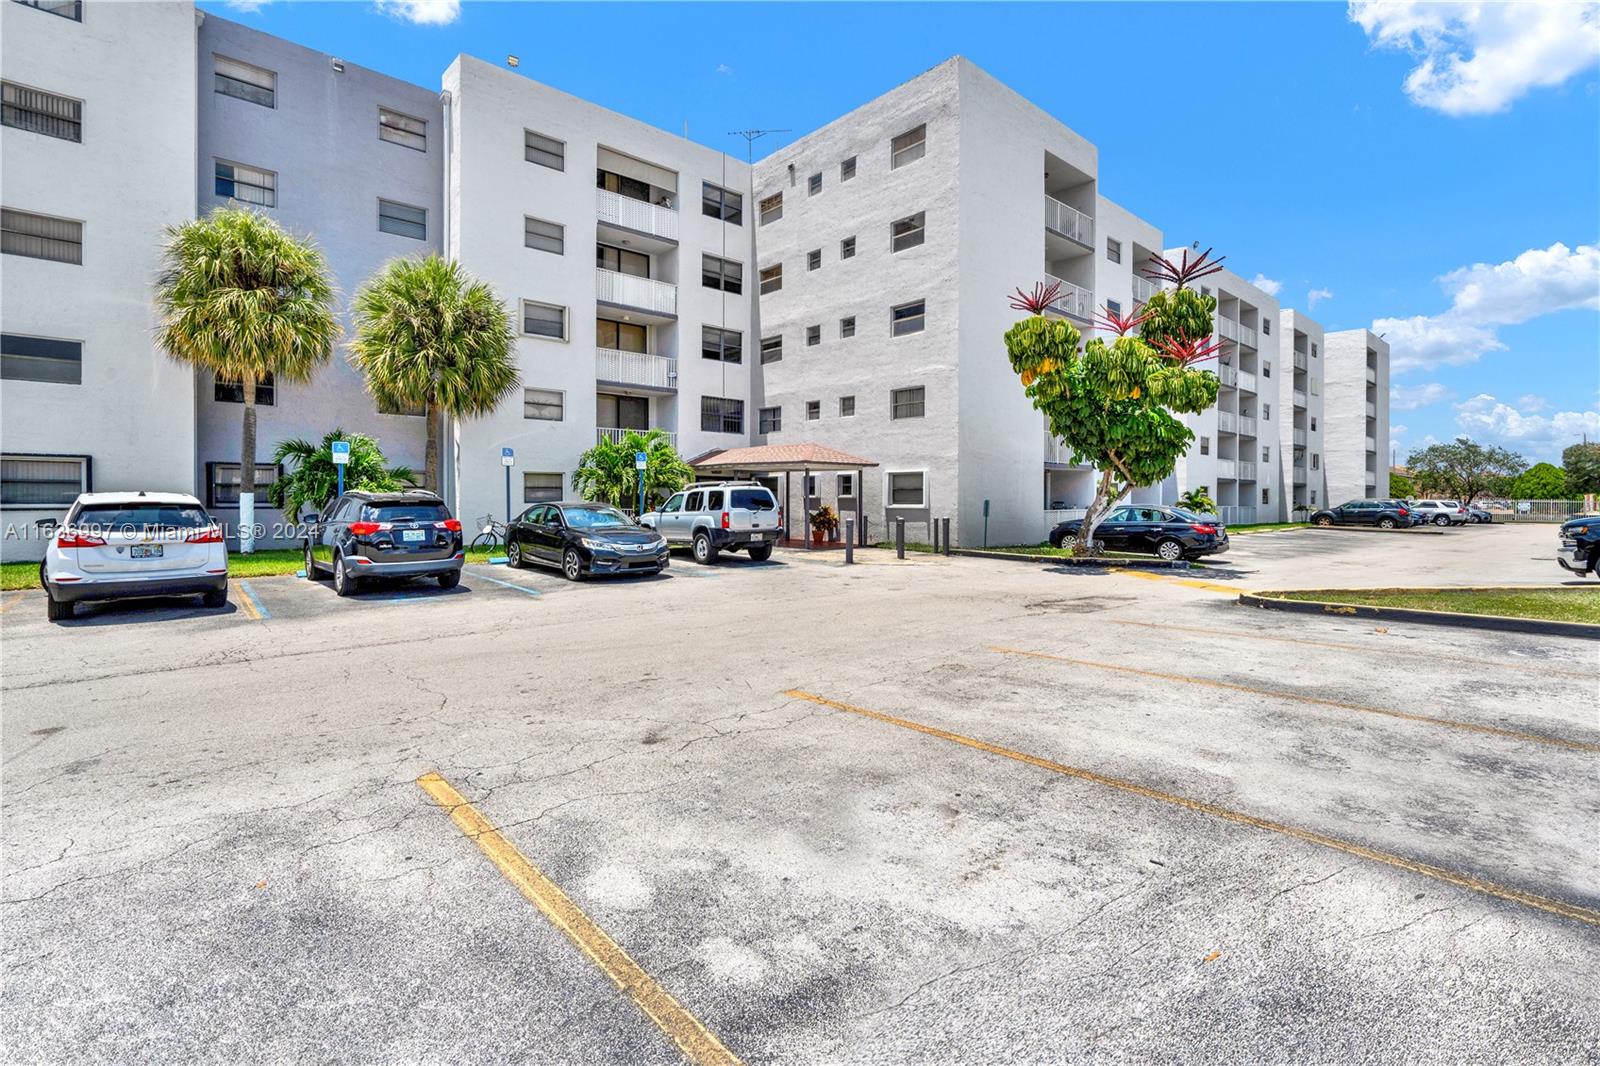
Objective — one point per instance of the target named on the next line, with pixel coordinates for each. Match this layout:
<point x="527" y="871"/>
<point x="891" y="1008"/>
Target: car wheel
<point x="344" y="583"/>
<point x="1170" y="550"/>
<point x="215" y="598"/>
<point x="1441" y="521"/>
<point x="311" y="565"/>
<point x="761" y="552"/>
<point x="1324" y="521"/>
<point x="572" y="565"/>
<point x="704" y="552"/>
<point x="56" y="610"/>
<point x="1385" y="523"/>
<point x="514" y="555"/>
<point x="450" y="579"/>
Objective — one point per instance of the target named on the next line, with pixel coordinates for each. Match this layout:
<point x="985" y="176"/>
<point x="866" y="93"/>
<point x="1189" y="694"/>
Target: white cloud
<point x="1478" y="58"/>
<point x="245" y="6"/>
<point x="1316" y="296"/>
<point x="1266" y="284"/>
<point x="723" y="68"/>
<point x="1531" y="404"/>
<point x="1537" y="436"/>
<point x="1540" y="281"/>
<point x="422" y="12"/>
<point x="1411" y="397"/>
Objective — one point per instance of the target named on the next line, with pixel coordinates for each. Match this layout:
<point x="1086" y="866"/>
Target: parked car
<point x="1443" y="512"/>
<point x="123" y="545"/>
<point x="719" y="517"/>
<point x="1479" y="515"/>
<point x="1385" y="514"/>
<point x="1580" y="545"/>
<point x="1167" y="532"/>
<point x="582" y="539"/>
<point x="363" y="535"/>
<point x="1416" y="518"/>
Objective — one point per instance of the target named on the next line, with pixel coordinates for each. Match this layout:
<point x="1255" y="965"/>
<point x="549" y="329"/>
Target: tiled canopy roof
<point x="781" y="457"/>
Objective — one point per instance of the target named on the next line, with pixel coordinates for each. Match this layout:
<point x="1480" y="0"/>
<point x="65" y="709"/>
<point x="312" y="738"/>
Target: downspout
<point x="450" y="436"/>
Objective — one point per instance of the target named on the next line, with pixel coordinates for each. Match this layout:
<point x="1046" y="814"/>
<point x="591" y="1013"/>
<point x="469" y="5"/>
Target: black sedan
<point x="584" y="538"/>
<point x="1385" y="514"/>
<point x="1166" y="532"/>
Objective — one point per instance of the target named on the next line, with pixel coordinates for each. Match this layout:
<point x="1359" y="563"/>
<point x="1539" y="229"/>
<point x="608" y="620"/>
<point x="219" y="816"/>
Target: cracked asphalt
<point x="215" y="849"/>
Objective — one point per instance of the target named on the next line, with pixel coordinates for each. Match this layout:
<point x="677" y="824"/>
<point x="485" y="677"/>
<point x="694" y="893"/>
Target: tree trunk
<point x="1104" y="499"/>
<point x="247" y="469"/>
<point x="430" y="454"/>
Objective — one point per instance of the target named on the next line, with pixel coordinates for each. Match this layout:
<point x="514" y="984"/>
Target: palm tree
<point x="315" y="479"/>
<point x="430" y="335"/>
<point x="244" y="299"/>
<point x="607" y="472"/>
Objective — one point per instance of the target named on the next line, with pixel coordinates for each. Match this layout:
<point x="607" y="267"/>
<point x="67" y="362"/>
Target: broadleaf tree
<point x="1541" y="481"/>
<point x="311" y="478"/>
<point x="1464" y="469"/>
<point x="1582" y="464"/>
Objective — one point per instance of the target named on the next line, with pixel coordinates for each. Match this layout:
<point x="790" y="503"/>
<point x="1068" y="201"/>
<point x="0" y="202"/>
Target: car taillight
<point x="452" y="524"/>
<point x="364" y="529"/>
<point x="1204" y="529"/>
<point x="725" y="524"/>
<point x="70" y="539"/>
<point x="1404" y="512"/>
<point x="204" y="536"/>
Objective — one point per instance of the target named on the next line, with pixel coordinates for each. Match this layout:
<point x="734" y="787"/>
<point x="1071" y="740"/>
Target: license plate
<point x="146" y="551"/>
<point x="412" y="535"/>
<point x="758" y="537"/>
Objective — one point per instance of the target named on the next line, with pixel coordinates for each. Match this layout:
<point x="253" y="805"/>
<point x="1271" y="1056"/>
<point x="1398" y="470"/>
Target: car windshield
<point x="142" y="516"/>
<point x="754" y="499"/>
<point x="405" y="512"/>
<point x="595" y="518"/>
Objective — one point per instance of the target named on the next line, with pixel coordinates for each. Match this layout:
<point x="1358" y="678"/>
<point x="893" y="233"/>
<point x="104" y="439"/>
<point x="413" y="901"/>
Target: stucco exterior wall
<point x="1348" y="392"/>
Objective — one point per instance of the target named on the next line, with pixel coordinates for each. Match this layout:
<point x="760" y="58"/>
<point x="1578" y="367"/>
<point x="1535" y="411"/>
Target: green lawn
<point x="1558" y="605"/>
<point x="1262" y="527"/>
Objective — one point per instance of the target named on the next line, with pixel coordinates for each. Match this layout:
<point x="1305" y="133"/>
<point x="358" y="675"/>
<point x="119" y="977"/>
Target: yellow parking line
<point x="1318" y="701"/>
<point x="697" y="1042"/>
<point x="1476" y="884"/>
<point x="1536" y="668"/>
<point x="1187" y="582"/>
<point x="11" y="601"/>
<point x="247" y="604"/>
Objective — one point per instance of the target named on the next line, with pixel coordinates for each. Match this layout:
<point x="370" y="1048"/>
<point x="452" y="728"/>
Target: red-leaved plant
<point x="1117" y="322"/>
<point x="1187" y="352"/>
<point x="1036" y="301"/>
<point x="1185" y="270"/>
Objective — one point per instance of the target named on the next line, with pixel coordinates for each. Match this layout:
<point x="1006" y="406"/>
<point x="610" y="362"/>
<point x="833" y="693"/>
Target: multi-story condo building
<point x="1357" y="432"/>
<point x="851" y="289"/>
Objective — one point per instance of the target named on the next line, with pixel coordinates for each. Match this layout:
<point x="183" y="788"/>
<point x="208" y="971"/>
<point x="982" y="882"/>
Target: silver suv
<point x="720" y="516"/>
<point x="1441" y="512"/>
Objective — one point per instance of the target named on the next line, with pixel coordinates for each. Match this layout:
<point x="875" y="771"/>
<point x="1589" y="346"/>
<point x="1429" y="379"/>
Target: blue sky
<point x="1433" y="168"/>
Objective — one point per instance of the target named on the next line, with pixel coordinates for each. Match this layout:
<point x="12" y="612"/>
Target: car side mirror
<point x="310" y="519"/>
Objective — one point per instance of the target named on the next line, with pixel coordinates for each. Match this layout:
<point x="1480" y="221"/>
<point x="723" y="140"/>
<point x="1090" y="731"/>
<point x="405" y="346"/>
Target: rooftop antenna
<point x="750" y="139"/>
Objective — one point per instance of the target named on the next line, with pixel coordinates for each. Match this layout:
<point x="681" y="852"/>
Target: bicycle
<point x="492" y="534"/>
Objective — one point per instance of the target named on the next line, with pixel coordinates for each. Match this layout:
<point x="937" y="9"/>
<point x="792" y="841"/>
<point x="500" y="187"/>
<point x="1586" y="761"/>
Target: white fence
<point x="647" y="294"/>
<point x="635" y="368"/>
<point x="634" y="214"/>
<point x="1068" y="220"/>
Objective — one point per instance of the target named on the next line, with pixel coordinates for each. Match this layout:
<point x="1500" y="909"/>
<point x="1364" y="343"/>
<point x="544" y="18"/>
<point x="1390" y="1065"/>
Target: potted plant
<point x="824" y="524"/>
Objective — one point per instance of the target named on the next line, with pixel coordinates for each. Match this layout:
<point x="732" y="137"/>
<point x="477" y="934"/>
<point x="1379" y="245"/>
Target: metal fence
<point x="1535" y="510"/>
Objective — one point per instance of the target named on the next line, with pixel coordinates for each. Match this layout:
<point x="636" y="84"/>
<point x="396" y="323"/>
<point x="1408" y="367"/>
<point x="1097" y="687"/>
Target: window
<point x="721" y="414"/>
<point x="813" y="335"/>
<point x="241" y="80"/>
<point x="1266" y="326"/>
<point x="1205" y="445"/>
<point x="59" y="240"/>
<point x="847" y="406"/>
<point x="808" y="487"/>
<point x="67" y="9"/>
<point x="772" y="278"/>
<point x="845" y="485"/>
<point x="847" y="248"/>
<point x="909" y="147"/>
<point x="847" y="327"/>
<point x="1266" y="369"/>
<point x="907" y="318"/>
<point x="813" y="410"/>
<point x="720" y="203"/>
<point x="847" y="169"/>
<point x="1316" y="460"/>
<point x="1313" y="495"/>
<point x="402" y="220"/>
<point x="222" y="483"/>
<point x="1113" y="249"/>
<point x="724" y="345"/>
<point x="402" y="129"/>
<point x="771" y="419"/>
<point x="40" y="359"/>
<point x="544" y="320"/>
<point x="772" y="208"/>
<point x="546" y="151"/>
<point x="545" y="236"/>
<point x="907" y="403"/>
<point x="41" y="112"/>
<point x="541" y="487"/>
<point x="1266" y="412"/>
<point x="1316" y="386"/>
<point x="544" y="405"/>
<point x="248" y="185"/>
<point x="1266" y="495"/>
<point x="622" y="261"/>
<point x="907" y="232"/>
<point x="722" y="274"/>
<point x="620" y="336"/>
<point x="906" y="488"/>
<point x="814" y="259"/>
<point x="1266" y="454"/>
<point x="42" y="480"/>
<point x="1114" y="306"/>
<point x="622" y="185"/>
<point x="224" y="391"/>
<point x="771" y="349"/>
<point x="1313" y="425"/>
<point x="814" y="184"/>
<point x="1313" y="349"/>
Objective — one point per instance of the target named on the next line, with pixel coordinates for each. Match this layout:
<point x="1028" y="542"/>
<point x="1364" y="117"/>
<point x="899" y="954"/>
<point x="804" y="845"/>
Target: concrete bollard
<point x="849" y="541"/>
<point x="899" y="538"/>
<point x="947" y="537"/>
<point x="933" y="530"/>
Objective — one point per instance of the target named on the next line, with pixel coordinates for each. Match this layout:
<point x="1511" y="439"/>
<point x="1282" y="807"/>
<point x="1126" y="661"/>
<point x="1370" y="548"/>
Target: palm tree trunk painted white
<point x="247" y="470"/>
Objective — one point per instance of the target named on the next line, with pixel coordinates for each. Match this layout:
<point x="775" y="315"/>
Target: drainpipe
<point x="450" y="435"/>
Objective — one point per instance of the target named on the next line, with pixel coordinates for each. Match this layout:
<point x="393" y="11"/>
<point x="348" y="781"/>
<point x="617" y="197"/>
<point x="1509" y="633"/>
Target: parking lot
<point x="930" y="810"/>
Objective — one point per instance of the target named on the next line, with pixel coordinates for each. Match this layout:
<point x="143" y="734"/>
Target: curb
<point x="1430" y="531"/>
<point x="1101" y="562"/>
<point x="1538" y="626"/>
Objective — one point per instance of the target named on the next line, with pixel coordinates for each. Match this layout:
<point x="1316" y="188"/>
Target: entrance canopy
<point x="789" y="459"/>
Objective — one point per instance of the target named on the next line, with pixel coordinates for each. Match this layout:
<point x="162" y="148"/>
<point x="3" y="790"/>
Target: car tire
<point x="450" y="579"/>
<point x="1170" y="550"/>
<point x="705" y="553"/>
<point x="344" y="582"/>
<point x="1385" y="523"/>
<point x="760" y="552"/>
<point x="514" y="556"/>
<point x="1324" y="521"/>
<point x="57" y="610"/>
<point x="215" y="598"/>
<point x="572" y="565"/>
<point x="1441" y="521"/>
<point x="311" y="565"/>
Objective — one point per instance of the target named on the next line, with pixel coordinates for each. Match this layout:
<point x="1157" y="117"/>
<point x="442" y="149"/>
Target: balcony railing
<point x="1064" y="514"/>
<point x="1227" y="422"/>
<point x="625" y="211"/>
<point x="1227" y="329"/>
<point x="604" y="433"/>
<point x="1073" y="299"/>
<point x="1247" y="426"/>
<point x="1246" y="470"/>
<point x="1143" y="289"/>
<point x="1299" y="398"/>
<point x="635" y="368"/>
<point x="1236" y="516"/>
<point x="1299" y="474"/>
<point x="1300" y="438"/>
<point x="1247" y="381"/>
<point x="1300" y="362"/>
<point x="1372" y="477"/>
<point x="1372" y="376"/>
<point x="1372" y="409"/>
<point x="1227" y="468"/>
<point x="1372" y="444"/>
<point x="1068" y="221"/>
<point x="1247" y="336"/>
<point x="1228" y="374"/>
<point x="647" y="294"/>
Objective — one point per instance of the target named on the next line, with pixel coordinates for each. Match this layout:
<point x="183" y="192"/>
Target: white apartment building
<point x="1357" y="431"/>
<point x="851" y="289"/>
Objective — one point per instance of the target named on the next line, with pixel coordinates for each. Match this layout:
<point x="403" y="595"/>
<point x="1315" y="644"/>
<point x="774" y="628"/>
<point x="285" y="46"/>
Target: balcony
<point x="1372" y="444"/>
<point x="1372" y="478"/>
<point x="1228" y="374"/>
<point x="1247" y="426"/>
<point x="1227" y="468"/>
<point x="1236" y="516"/>
<point x="1299" y="474"/>
<point x="1247" y="336"/>
<point x="638" y="369"/>
<point x="1299" y="438"/>
<point x="1299" y="398"/>
<point x="626" y="290"/>
<point x="1227" y="422"/>
<point x="1073" y="299"/>
<point x="1300" y="362"/>
<point x="1245" y="469"/>
<point x="1068" y="221"/>
<point x="1372" y="376"/>
<point x="1372" y="409"/>
<point x="603" y="434"/>
<point x="1247" y="381"/>
<point x="1143" y="289"/>
<point x="1227" y="329"/>
<point x="613" y="209"/>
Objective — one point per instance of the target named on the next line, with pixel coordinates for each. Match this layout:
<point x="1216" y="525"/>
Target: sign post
<point x="507" y="457"/>
<point x="640" y="461"/>
<point x="341" y="459"/>
<point x="985" y="523"/>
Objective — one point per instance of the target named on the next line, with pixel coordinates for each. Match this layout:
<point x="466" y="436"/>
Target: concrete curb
<point x="1104" y="562"/>
<point x="1416" y="531"/>
<point x="1271" y="601"/>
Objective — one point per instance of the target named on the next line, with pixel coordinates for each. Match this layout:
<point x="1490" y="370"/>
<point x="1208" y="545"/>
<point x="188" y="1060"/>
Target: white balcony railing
<point x="1299" y="398"/>
<point x="1228" y="374"/>
<point x="1372" y="409"/>
<point x="1299" y="474"/>
<point x="1227" y="422"/>
<point x="1143" y="289"/>
<point x="1227" y="329"/>
<point x="1247" y="336"/>
<point x="604" y="433"/>
<point x="1227" y="468"/>
<point x="1247" y="381"/>
<point x="647" y="294"/>
<point x="1372" y="376"/>
<point x="1372" y="444"/>
<point x="625" y="211"/>
<point x="1073" y="299"/>
<point x="1068" y="221"/>
<point x="1299" y="360"/>
<point x="1246" y="470"/>
<point x="635" y="368"/>
<point x="1247" y="426"/>
<point x="1300" y="438"/>
<point x="1236" y="516"/>
<point x="1372" y="477"/>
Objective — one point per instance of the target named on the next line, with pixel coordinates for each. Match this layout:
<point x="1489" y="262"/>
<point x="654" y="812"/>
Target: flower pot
<point x="817" y="536"/>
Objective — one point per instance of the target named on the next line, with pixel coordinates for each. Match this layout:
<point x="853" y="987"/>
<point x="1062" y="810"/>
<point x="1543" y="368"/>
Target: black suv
<point x="1166" y="532"/>
<point x="1385" y="514"/>
<point x="384" y="534"/>
<point x="1580" y="545"/>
